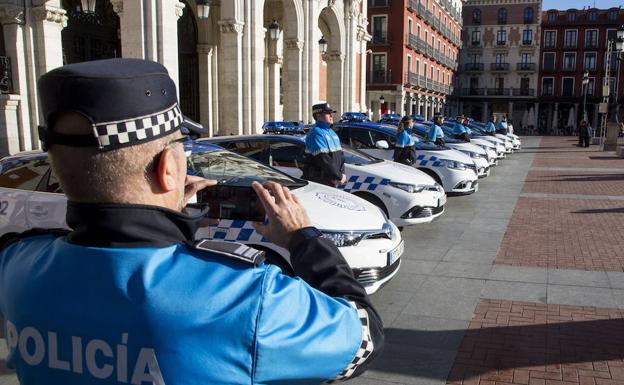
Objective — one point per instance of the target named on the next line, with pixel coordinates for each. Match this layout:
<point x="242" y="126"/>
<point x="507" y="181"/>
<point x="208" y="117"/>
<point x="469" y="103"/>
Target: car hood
<point x="483" y="142"/>
<point x="396" y="172"/>
<point x="448" y="154"/>
<point x="467" y="147"/>
<point x="333" y="209"/>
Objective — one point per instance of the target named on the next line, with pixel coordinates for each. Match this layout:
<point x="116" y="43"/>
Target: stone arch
<point x="331" y="25"/>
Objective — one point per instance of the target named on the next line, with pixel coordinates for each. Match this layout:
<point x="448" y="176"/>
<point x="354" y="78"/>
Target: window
<point x="589" y="63"/>
<point x="591" y="85"/>
<point x="499" y="58"/>
<point x="425" y="70"/>
<point x="417" y="67"/>
<point x="548" y="86"/>
<point x="499" y="83"/>
<point x="592" y="16"/>
<point x="552" y="17"/>
<point x="591" y="38"/>
<point x="476" y="37"/>
<point x="501" y="37"/>
<point x="502" y="16"/>
<point x="569" y="61"/>
<point x="567" y="87"/>
<point x="287" y="154"/>
<point x="437" y="75"/>
<point x="549" y="62"/>
<point x="378" y="3"/>
<point x="254" y="149"/>
<point x="357" y="138"/>
<point x="380" y="29"/>
<point x="572" y="16"/>
<point x="527" y="36"/>
<point x="570" y="38"/>
<point x="377" y="136"/>
<point x="525" y="58"/>
<point x="474" y="83"/>
<point x="610" y="35"/>
<point x="409" y="63"/>
<point x="613" y="15"/>
<point x="612" y="87"/>
<point x="550" y="38"/>
<point x="474" y="59"/>
<point x="379" y="68"/>
<point x="525" y="83"/>
<point x="528" y="15"/>
<point x="410" y="26"/>
<point x="26" y="175"/>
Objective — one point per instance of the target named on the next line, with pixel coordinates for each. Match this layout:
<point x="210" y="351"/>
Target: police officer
<point x="501" y="126"/>
<point x="128" y="295"/>
<point x="436" y="134"/>
<point x="404" y="151"/>
<point x="490" y="127"/>
<point x="325" y="160"/>
<point x="460" y="131"/>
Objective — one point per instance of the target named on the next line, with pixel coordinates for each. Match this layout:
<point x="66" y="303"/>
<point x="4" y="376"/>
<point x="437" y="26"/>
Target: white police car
<point x="406" y="195"/>
<point x="30" y="197"/>
<point x="455" y="171"/>
<point x="478" y="128"/>
<point x="495" y="151"/>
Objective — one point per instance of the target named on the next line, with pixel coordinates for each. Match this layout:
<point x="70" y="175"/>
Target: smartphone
<point x="232" y="202"/>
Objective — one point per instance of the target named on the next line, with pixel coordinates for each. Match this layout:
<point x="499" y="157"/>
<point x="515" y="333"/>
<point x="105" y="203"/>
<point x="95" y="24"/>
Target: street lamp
<point x="88" y="6"/>
<point x="585" y="83"/>
<point x="323" y="45"/>
<point x="619" y="42"/>
<point x="203" y="9"/>
<point x="274" y="30"/>
<point x="382" y="100"/>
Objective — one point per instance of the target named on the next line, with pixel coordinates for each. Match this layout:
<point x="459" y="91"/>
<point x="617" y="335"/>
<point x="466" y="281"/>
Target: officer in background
<point x="460" y="131"/>
<point x="325" y="160"/>
<point x="490" y="127"/>
<point x="501" y="126"/>
<point x="129" y="296"/>
<point x="436" y="134"/>
<point x="404" y="151"/>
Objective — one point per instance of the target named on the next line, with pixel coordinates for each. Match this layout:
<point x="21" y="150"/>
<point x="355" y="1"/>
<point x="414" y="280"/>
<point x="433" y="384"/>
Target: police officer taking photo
<point x="325" y="160"/>
<point x="129" y="296"/>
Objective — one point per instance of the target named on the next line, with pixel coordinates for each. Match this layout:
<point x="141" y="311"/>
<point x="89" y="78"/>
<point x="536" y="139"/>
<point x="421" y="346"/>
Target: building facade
<point x="499" y="70"/>
<point x="574" y="42"/>
<point x="412" y="55"/>
<point x="231" y="74"/>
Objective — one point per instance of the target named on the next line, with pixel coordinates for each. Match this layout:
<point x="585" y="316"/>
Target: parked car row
<point x="362" y="217"/>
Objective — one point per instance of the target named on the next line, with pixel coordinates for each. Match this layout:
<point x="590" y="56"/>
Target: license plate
<point x="394" y="254"/>
<point x="442" y="201"/>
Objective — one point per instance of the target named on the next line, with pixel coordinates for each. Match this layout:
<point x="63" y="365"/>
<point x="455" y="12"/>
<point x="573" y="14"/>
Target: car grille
<point x="472" y="167"/>
<point x="384" y="233"/>
<point x="422" y="212"/>
<point x="371" y="275"/>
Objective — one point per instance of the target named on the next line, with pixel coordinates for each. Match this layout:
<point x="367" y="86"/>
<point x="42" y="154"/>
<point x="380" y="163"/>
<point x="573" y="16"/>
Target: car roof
<point x="219" y="139"/>
<point x="369" y="125"/>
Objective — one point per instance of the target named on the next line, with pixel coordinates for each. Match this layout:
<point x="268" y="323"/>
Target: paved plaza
<point x="521" y="283"/>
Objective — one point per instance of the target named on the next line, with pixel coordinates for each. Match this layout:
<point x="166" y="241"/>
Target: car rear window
<point x="24" y="174"/>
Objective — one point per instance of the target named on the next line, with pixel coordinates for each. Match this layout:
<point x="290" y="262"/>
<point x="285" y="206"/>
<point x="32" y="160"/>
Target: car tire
<point x="372" y="199"/>
<point x="432" y="174"/>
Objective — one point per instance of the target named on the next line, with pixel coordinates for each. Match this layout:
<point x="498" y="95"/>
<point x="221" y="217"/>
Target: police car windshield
<point x="358" y="158"/>
<point x="233" y="169"/>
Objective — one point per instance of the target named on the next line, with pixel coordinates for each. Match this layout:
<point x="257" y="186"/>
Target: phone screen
<point x="232" y="202"/>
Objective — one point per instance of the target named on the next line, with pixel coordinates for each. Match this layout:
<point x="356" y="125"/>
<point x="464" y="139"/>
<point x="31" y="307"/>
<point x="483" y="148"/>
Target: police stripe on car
<point x="358" y="182"/>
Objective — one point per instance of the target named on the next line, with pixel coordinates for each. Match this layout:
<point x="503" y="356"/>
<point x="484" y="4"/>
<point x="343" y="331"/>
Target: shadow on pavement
<point x="617" y="210"/>
<point x="588" y="178"/>
<point x="492" y="349"/>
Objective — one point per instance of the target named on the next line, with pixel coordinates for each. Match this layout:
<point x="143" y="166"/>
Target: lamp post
<point x="323" y="45"/>
<point x="585" y="83"/>
<point x="274" y="30"/>
<point x="413" y="105"/>
<point x="203" y="9"/>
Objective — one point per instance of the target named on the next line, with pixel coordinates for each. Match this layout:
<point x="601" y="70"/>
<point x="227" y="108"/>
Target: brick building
<point x="575" y="41"/>
<point x="499" y="58"/>
<point x="413" y="55"/>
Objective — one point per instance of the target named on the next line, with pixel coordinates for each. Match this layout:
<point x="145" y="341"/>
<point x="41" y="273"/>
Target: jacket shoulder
<point x="231" y="250"/>
<point x="10" y="238"/>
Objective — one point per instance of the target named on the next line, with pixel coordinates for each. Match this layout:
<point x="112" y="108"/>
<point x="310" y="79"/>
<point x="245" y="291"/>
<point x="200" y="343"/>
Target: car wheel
<point x="373" y="199"/>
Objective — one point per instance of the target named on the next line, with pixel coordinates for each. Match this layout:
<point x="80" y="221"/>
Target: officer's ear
<point x="167" y="172"/>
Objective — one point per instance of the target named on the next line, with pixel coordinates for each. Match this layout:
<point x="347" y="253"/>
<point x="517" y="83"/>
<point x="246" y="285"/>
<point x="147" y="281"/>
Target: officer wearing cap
<point x="325" y="160"/>
<point x="129" y="296"/>
<point x="501" y="126"/>
<point x="404" y="151"/>
<point x="436" y="134"/>
<point x="460" y="131"/>
<point x="490" y="127"/>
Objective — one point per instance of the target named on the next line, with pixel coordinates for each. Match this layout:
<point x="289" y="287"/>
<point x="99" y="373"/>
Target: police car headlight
<point x="341" y="239"/>
<point x="453" y="164"/>
<point x="410" y="188"/>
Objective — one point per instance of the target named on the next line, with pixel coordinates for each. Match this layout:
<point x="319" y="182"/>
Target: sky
<point x="579" y="4"/>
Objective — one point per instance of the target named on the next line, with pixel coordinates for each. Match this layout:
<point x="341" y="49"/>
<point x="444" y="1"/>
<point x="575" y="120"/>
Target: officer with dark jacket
<point x="129" y="296"/>
<point x="325" y="160"/>
<point x="404" y="151"/>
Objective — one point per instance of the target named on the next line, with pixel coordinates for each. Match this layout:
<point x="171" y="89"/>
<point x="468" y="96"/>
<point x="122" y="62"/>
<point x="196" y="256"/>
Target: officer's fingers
<point x="278" y="192"/>
<point x="287" y="194"/>
<point x="266" y="199"/>
<point x="260" y="228"/>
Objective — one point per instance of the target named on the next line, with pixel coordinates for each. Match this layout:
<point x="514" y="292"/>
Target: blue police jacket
<point x="489" y="127"/>
<point x="404" y="139"/>
<point x="126" y="297"/>
<point x="324" y="153"/>
<point x="435" y="132"/>
<point x="501" y="125"/>
<point x="460" y="129"/>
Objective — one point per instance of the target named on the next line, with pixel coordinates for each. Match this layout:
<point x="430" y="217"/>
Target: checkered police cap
<point x="128" y="101"/>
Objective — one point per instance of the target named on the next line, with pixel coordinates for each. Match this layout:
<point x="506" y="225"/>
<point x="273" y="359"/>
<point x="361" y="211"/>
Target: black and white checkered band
<point x="111" y="135"/>
<point x="363" y="352"/>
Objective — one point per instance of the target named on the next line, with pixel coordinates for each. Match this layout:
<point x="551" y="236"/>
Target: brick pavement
<point x="575" y="182"/>
<point x="526" y="343"/>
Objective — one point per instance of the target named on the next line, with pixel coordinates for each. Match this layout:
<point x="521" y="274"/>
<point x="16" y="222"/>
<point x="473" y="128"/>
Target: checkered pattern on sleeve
<point x="363" y="352"/>
<point x="122" y="133"/>
<point x="366" y="183"/>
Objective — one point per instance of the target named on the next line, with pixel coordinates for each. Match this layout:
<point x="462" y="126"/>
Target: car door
<point x="47" y="206"/>
<point x="288" y="157"/>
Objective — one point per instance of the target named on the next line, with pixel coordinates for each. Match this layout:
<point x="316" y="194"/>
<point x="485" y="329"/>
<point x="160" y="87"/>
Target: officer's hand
<point x="284" y="212"/>
<point x="193" y="184"/>
<point x="344" y="179"/>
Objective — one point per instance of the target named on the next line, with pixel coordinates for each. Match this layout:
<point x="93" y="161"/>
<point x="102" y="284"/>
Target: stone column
<point x="292" y="79"/>
<point x="335" y="81"/>
<point x="312" y="58"/>
<point x="9" y="125"/>
<point x="486" y="115"/>
<point x="274" y="63"/>
<point x="170" y="12"/>
<point x="132" y="24"/>
<point x="400" y="103"/>
<point x="510" y="110"/>
<point x="205" y="54"/>
<point x="231" y="77"/>
<point x="426" y="106"/>
<point x="536" y="109"/>
<point x="556" y="118"/>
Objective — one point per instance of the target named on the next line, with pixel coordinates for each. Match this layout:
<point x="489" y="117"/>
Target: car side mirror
<point x="382" y="145"/>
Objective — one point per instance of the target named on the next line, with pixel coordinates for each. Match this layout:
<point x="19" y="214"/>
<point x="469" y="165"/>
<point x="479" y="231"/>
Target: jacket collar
<point x="129" y="226"/>
<point x="323" y="124"/>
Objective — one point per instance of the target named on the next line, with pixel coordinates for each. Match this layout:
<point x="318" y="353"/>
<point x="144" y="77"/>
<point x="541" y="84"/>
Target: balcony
<point x="525" y="66"/>
<point x="473" y="67"/>
<point x="501" y="43"/>
<point x="499" y="66"/>
<point x="473" y="91"/>
<point x="527" y="42"/>
<point x="413" y="5"/>
<point x="379" y="40"/>
<point x="498" y="91"/>
<point x="475" y="43"/>
<point x="412" y="78"/>
<point x="523" y="91"/>
<point x="6" y="82"/>
<point x="380" y="77"/>
<point x="422" y="82"/>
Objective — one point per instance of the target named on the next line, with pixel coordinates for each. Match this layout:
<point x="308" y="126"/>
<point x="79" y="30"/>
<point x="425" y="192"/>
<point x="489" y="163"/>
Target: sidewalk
<point x="520" y="283"/>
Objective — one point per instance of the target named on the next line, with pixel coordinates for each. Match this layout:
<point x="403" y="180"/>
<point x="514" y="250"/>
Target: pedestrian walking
<point x="404" y="151"/>
<point x="129" y="296"/>
<point x="436" y="134"/>
<point x="583" y="134"/>
<point x="325" y="160"/>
